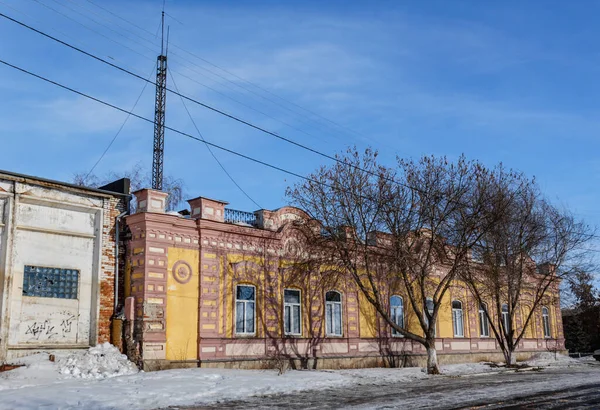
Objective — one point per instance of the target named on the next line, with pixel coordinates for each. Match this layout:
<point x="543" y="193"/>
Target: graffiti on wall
<point x="57" y="326"/>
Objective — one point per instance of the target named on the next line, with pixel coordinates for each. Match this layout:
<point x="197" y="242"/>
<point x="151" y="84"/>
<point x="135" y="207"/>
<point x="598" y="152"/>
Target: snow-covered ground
<point x="102" y="378"/>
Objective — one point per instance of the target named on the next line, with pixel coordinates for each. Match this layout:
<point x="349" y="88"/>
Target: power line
<point x="208" y="147"/>
<point x="120" y="128"/>
<point x="94" y="31"/>
<point x="237" y="119"/>
<point x="183" y="64"/>
<point x="77" y="40"/>
<point x="218" y="111"/>
<point x="152" y="122"/>
<point x="336" y="124"/>
<point x="266" y="164"/>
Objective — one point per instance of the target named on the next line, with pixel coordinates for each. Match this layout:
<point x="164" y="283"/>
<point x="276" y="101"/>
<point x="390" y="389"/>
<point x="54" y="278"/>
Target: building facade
<point x="57" y="264"/>
<point x="215" y="288"/>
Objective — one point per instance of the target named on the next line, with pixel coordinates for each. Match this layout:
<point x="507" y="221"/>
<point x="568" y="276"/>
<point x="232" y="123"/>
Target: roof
<point x="45" y="182"/>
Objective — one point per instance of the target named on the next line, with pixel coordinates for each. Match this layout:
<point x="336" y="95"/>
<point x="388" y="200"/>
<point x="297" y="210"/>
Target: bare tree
<point x="140" y="178"/>
<point x="407" y="229"/>
<point x="520" y="261"/>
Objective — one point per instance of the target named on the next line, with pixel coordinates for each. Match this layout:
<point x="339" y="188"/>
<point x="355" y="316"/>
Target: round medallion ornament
<point x="182" y="272"/>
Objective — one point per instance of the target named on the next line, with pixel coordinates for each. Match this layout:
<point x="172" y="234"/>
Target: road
<point x="562" y="388"/>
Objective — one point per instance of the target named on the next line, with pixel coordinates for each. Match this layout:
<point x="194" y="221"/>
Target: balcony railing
<point x="233" y="216"/>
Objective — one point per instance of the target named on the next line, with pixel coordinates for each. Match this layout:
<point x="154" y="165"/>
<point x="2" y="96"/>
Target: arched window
<point x="484" y="324"/>
<point x="457" y="319"/>
<point x="429" y="305"/>
<point x="505" y="318"/>
<point x="292" y="318"/>
<point x="546" y="322"/>
<point x="397" y="313"/>
<point x="333" y="313"/>
<point x="245" y="312"/>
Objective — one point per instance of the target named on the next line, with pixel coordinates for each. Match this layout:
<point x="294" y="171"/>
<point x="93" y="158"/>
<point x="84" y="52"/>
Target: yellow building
<point x="216" y="288"/>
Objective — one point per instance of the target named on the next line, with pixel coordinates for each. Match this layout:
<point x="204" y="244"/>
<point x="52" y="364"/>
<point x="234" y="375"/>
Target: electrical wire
<point x="184" y="65"/>
<point x="216" y="110"/>
<point x="208" y="146"/>
<point x="266" y="164"/>
<point x="212" y="144"/>
<point x="334" y="123"/>
<point x="120" y="129"/>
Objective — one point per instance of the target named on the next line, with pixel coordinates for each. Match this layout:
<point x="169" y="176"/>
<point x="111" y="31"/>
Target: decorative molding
<point x="182" y="272"/>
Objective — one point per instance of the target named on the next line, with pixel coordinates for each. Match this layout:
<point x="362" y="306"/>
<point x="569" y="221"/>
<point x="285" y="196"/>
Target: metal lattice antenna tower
<point x="159" y="114"/>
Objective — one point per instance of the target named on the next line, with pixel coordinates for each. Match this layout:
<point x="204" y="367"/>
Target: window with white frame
<point x="484" y="324"/>
<point x="245" y="310"/>
<point x="429" y="305"/>
<point x="457" y="319"/>
<point x="546" y="322"/>
<point x="333" y="313"/>
<point x="292" y="312"/>
<point x="397" y="313"/>
<point x="505" y="318"/>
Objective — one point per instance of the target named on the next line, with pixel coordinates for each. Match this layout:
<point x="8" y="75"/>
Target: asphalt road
<point x="526" y="390"/>
<point x="584" y="397"/>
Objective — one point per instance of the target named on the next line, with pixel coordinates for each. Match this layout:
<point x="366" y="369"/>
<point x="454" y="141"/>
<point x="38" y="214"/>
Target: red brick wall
<point x="112" y="208"/>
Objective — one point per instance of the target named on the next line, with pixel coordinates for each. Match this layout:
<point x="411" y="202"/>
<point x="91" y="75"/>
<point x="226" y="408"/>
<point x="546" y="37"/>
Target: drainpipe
<point x="118" y="229"/>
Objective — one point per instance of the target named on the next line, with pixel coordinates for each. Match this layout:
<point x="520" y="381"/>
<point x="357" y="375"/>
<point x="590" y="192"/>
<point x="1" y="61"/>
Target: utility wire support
<point x="158" y="150"/>
<point x="208" y="146"/>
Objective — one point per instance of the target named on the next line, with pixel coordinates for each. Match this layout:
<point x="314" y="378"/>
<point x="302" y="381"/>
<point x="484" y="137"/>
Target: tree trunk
<point x="432" y="363"/>
<point x="510" y="357"/>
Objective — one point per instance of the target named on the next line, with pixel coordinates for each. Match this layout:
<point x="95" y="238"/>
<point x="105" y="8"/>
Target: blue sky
<point x="498" y="81"/>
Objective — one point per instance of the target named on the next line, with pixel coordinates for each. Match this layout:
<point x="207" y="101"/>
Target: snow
<point x="98" y="362"/>
<point x="102" y="378"/>
<point x="547" y="359"/>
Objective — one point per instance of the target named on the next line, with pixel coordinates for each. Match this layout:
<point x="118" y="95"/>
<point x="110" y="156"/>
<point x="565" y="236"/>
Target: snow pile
<point x="547" y="359"/>
<point x="100" y="362"/>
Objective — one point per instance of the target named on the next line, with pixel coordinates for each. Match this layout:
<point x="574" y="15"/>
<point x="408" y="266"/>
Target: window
<point x="477" y="255"/>
<point x="291" y="312"/>
<point x="397" y="313"/>
<point x="245" y="313"/>
<point x="505" y="318"/>
<point x="44" y="282"/>
<point x="457" y="319"/>
<point x="546" y="322"/>
<point x="484" y="324"/>
<point x="333" y="313"/>
<point x="429" y="306"/>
